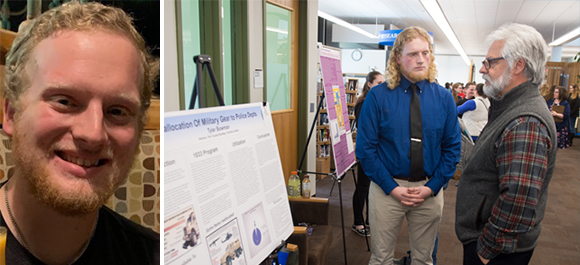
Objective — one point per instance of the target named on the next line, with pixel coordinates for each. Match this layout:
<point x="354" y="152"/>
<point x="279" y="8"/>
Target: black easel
<point x="333" y="174"/>
<point x="200" y="61"/>
<point x="353" y="124"/>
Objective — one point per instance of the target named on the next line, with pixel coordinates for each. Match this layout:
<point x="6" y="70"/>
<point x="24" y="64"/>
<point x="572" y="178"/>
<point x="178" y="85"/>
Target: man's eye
<point x="64" y="101"/>
<point x="120" y="115"/>
<point x="118" y="112"/>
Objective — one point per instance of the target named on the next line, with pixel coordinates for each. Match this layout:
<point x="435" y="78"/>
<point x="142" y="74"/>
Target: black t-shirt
<point x="574" y="106"/>
<point x="357" y="109"/>
<point x="117" y="240"/>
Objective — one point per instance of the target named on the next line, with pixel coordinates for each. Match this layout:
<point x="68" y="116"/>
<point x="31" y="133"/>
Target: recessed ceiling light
<point x="434" y="10"/>
<point x="572" y="35"/>
<point x="345" y="24"/>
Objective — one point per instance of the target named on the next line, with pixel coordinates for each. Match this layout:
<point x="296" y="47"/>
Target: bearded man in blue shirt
<point x="408" y="144"/>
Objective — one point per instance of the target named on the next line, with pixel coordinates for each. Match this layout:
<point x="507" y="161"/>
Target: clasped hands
<point x="413" y="196"/>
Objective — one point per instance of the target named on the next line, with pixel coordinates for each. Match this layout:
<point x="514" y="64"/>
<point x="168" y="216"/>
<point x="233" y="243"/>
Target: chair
<point x="314" y="248"/>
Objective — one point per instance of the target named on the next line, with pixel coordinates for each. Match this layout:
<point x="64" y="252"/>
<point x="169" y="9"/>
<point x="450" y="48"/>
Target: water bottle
<point x="294" y="185"/>
<point x="306" y="187"/>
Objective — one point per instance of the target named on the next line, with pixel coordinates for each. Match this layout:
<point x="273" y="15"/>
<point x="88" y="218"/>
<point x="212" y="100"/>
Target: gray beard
<point x="494" y="88"/>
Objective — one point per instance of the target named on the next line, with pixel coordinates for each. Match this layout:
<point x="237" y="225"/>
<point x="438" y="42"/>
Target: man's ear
<point x="9" y="111"/>
<point x="519" y="66"/>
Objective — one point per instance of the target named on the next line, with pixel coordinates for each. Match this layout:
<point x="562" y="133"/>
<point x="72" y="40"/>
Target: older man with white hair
<point x="503" y="191"/>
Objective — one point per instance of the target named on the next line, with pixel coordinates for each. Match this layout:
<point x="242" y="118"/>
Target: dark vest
<point x="479" y="186"/>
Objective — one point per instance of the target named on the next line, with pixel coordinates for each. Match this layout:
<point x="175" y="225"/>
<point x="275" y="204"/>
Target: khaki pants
<point x="386" y="217"/>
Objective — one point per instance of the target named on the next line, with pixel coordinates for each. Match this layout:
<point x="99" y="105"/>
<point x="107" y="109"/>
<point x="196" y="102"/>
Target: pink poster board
<point x="339" y="125"/>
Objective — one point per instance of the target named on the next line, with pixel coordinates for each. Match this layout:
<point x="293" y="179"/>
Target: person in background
<point x="78" y="84"/>
<point x="551" y="94"/>
<point x="408" y="144"/>
<point x="503" y="191"/>
<point x="469" y="93"/>
<point x="361" y="193"/>
<point x="457" y="91"/>
<point x="574" y="101"/>
<point x="462" y="93"/>
<point x="448" y="86"/>
<point x="546" y="92"/>
<point x="475" y="112"/>
<point x="562" y="127"/>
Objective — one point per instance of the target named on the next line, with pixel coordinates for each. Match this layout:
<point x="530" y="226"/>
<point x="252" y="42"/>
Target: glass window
<point x="278" y="57"/>
<point x="191" y="46"/>
<point x="227" y="50"/>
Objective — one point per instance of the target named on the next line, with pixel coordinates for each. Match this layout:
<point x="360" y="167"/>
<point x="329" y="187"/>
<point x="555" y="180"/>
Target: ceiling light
<point x="575" y="33"/>
<point x="345" y="24"/>
<point x="434" y="10"/>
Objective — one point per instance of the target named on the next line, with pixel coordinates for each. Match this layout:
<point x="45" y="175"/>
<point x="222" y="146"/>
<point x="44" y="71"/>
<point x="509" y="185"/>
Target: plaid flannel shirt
<point x="521" y="159"/>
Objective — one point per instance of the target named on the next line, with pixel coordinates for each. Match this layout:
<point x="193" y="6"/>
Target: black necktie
<point x="416" y="154"/>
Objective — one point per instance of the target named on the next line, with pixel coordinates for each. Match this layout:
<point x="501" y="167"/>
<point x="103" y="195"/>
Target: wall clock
<point x="356" y="55"/>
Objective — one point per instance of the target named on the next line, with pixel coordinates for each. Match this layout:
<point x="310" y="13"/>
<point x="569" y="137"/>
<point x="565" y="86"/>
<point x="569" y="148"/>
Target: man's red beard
<point x="418" y="76"/>
<point x="31" y="166"/>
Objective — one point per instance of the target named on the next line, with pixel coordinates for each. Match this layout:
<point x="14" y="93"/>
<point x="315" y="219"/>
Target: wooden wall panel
<point x="286" y="121"/>
<point x="555" y="69"/>
<point x="286" y="131"/>
<point x="6" y="39"/>
<point x="153" y="115"/>
<point x="288" y="4"/>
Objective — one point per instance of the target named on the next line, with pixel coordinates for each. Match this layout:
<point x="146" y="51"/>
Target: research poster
<point x="225" y="198"/>
<point x="335" y="96"/>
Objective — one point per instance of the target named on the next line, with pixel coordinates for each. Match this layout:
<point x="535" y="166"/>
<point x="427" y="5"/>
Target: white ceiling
<point x="472" y="20"/>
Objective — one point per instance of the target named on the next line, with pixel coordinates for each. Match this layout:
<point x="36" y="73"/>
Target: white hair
<point x="522" y="42"/>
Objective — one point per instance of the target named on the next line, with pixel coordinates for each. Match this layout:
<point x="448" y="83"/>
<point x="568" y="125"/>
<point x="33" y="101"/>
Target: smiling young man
<point x="469" y="94"/>
<point x="78" y="83"/>
<point x="503" y="191"/>
<point x="408" y="144"/>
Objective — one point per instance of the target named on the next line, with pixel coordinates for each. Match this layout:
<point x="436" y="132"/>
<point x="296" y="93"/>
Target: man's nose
<point x="420" y="60"/>
<point x="89" y="128"/>
<point x="483" y="70"/>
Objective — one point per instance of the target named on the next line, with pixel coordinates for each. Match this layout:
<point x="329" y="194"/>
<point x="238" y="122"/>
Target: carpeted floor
<point x="559" y="242"/>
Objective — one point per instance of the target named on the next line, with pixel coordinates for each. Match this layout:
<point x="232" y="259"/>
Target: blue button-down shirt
<point x="384" y="139"/>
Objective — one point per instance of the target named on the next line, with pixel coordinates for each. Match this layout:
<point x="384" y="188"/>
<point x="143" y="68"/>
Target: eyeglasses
<point x="487" y="62"/>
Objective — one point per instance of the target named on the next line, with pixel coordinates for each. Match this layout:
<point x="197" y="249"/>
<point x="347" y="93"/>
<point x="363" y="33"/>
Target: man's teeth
<point x="81" y="162"/>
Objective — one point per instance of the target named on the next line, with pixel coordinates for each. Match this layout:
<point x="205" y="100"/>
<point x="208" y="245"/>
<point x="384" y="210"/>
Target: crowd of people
<point x="409" y="143"/>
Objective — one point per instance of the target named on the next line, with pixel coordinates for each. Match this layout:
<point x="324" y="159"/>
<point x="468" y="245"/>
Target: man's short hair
<point x="393" y="73"/>
<point x="470" y="84"/>
<point x="75" y="16"/>
<point x="479" y="89"/>
<point x="522" y="42"/>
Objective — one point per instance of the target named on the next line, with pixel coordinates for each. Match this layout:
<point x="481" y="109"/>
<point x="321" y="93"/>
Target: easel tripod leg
<point x="332" y="187"/>
<point x="342" y="220"/>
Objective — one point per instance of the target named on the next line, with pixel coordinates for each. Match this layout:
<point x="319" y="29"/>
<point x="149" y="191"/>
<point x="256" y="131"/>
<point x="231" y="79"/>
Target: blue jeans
<point x="571" y="125"/>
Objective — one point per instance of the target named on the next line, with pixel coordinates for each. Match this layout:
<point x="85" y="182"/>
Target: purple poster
<point x="340" y="132"/>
